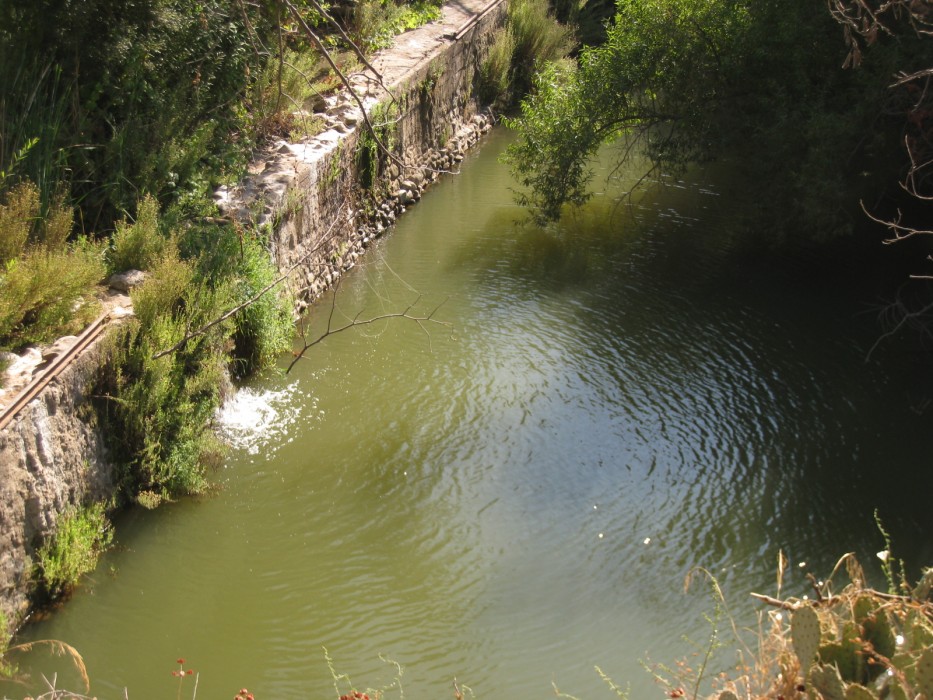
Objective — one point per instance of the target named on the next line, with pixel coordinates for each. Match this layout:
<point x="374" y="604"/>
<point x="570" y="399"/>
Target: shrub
<point x="17" y="217"/>
<point x="73" y="550"/>
<point x="46" y="286"/>
<point x="158" y="405"/>
<point x="159" y="408"/>
<point x="264" y="329"/>
<point x="138" y="245"/>
<point x="45" y="294"/>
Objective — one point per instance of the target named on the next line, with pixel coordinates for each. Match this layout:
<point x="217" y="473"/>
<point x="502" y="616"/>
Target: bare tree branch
<point x="356" y="322"/>
<point x="345" y="80"/>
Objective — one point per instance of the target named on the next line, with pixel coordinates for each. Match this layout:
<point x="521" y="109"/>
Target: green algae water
<point x="514" y="496"/>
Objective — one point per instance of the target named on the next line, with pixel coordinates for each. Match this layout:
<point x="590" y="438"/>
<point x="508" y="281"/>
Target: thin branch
<point x="345" y="80"/>
<point x="356" y="322"/>
<point x="905" y="319"/>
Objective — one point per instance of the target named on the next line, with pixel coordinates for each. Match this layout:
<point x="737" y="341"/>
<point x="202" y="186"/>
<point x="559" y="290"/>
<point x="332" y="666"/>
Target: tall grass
<point x="34" y="114"/>
<point x="530" y="39"/>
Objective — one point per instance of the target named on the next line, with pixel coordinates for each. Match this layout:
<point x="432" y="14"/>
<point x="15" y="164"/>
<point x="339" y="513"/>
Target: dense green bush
<point x="73" y="550"/>
<point x="125" y="97"/>
<point x="140" y="244"/>
<point x="158" y="406"/>
<point x="760" y="83"/>
<point x="158" y="410"/>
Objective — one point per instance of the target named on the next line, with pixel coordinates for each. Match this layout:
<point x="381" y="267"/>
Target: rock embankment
<point x="52" y="454"/>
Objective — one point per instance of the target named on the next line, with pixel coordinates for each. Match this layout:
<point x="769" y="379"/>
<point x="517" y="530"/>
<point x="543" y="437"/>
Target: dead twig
<point x="357" y="322"/>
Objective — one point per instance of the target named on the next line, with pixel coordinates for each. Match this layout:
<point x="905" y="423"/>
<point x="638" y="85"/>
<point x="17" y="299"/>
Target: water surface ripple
<point x="517" y="497"/>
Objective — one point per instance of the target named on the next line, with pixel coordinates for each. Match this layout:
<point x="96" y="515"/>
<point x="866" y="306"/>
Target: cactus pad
<point x="858" y="692"/>
<point x="828" y="682"/>
<point x="727" y="695"/>
<point x="805" y="635"/>
<point x="924" y="673"/>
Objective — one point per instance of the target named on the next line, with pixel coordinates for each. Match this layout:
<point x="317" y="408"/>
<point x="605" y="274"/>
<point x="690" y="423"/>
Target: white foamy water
<point x="259" y="420"/>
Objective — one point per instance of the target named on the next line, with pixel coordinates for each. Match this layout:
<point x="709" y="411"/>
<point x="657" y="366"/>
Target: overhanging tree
<point x="760" y="83"/>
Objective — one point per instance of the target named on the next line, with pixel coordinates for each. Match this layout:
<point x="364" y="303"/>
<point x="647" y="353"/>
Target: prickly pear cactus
<point x="845" y="653"/>
<point x="854" y="691"/>
<point x="878" y="631"/>
<point x="925" y="586"/>
<point x="805" y="635"/>
<point x="923" y="673"/>
<point x="827" y="681"/>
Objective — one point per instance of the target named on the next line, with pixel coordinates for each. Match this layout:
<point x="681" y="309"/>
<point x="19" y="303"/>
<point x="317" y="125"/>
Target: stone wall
<point x="52" y="459"/>
<point x="322" y="201"/>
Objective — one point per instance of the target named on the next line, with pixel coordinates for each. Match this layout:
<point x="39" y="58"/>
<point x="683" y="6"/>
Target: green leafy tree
<point x="759" y="83"/>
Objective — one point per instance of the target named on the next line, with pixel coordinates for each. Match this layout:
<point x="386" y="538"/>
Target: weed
<point x="82" y="535"/>
<point x="138" y="245"/>
<point x="530" y="39"/>
<point x="346" y="691"/>
<point x="181" y="673"/>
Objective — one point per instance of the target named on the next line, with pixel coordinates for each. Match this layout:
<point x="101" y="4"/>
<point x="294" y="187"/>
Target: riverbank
<point x="319" y="202"/>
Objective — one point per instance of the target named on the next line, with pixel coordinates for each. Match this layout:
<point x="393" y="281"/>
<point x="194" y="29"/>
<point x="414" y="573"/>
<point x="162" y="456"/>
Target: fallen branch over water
<point x="356" y="322"/>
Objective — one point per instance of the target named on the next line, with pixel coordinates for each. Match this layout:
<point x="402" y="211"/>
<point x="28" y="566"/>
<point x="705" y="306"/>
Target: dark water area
<point x="516" y="497"/>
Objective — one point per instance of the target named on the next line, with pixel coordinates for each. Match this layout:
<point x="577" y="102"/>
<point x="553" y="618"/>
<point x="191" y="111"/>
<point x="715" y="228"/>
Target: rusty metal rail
<point x="55" y="368"/>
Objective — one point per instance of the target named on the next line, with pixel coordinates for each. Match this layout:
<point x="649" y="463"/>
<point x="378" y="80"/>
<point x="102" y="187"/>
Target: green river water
<point x="515" y="498"/>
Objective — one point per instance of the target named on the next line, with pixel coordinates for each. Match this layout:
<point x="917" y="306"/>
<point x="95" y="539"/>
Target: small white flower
<point x="883" y="555"/>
